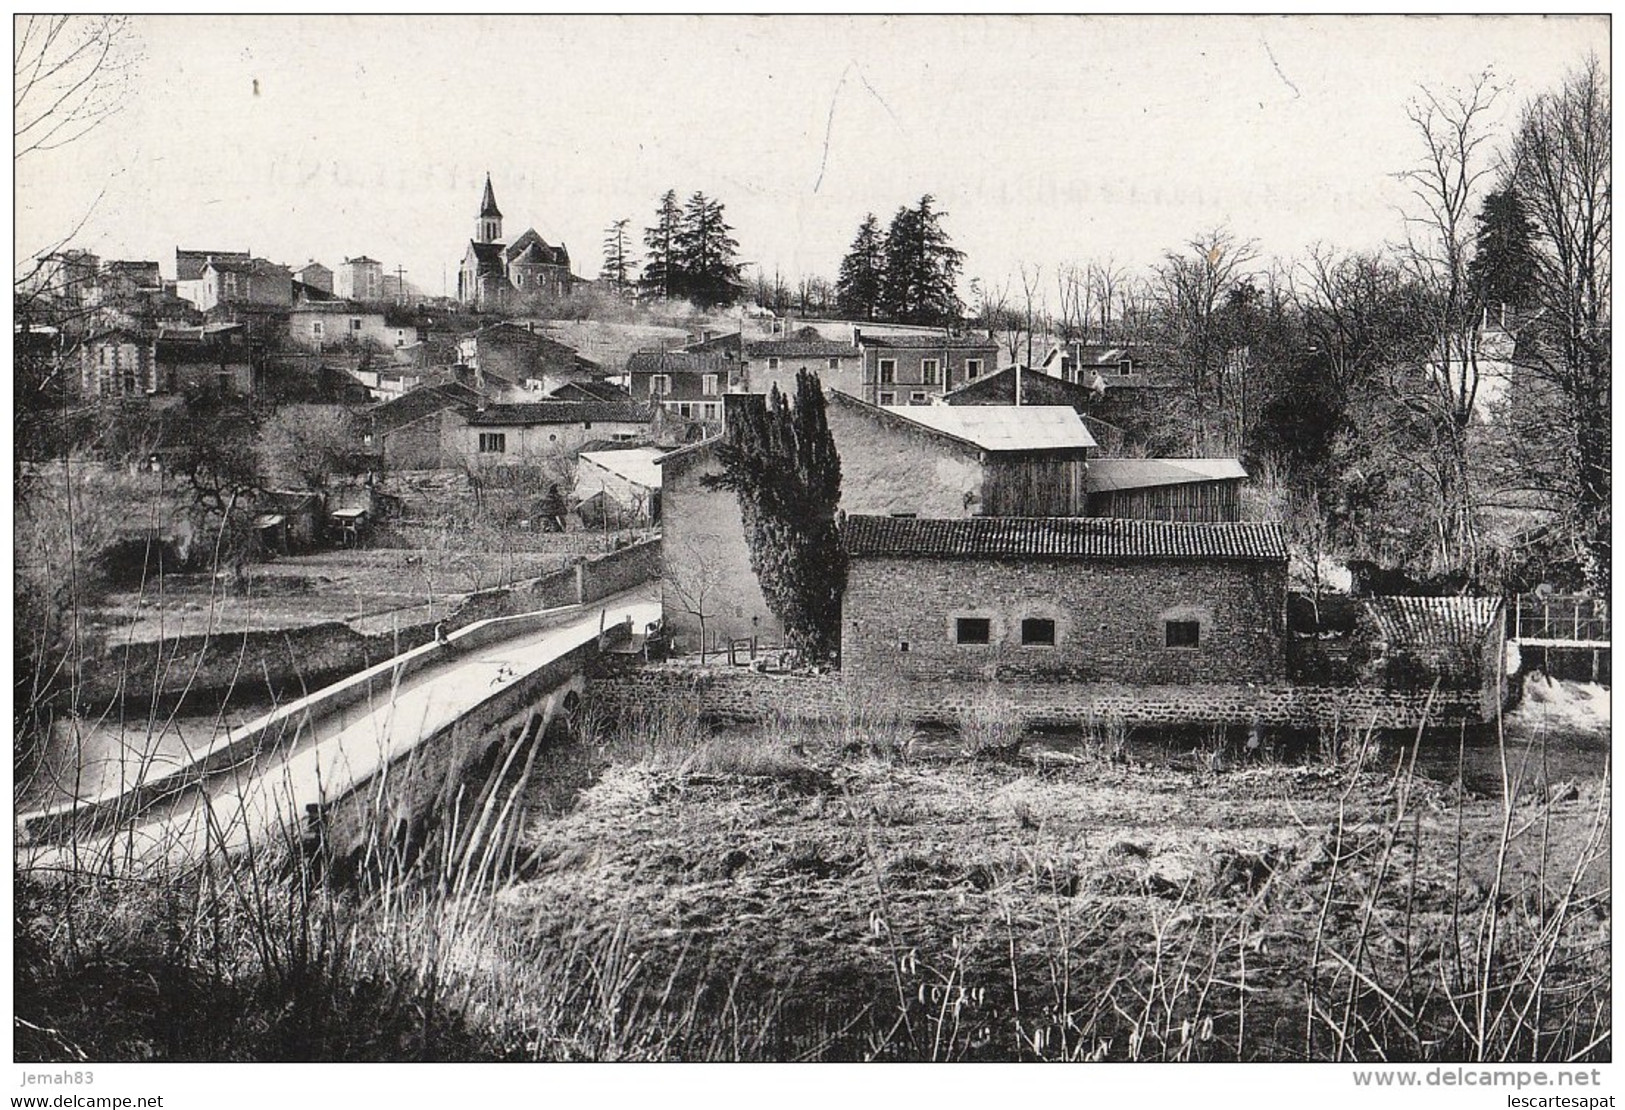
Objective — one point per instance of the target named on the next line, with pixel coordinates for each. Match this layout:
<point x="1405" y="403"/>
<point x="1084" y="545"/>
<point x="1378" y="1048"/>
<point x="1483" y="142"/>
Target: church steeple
<point x="489" y="225"/>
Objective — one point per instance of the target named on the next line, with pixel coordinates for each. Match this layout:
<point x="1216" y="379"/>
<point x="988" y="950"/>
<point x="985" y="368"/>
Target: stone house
<point x="119" y="363"/>
<point x="776" y="362"/>
<point x="1052" y="600"/>
<point x="253" y="282"/>
<point x="315" y="275"/>
<point x="942" y="461"/>
<point x="541" y="431"/>
<point x="329" y="325"/>
<point x="189" y="266"/>
<point x="422" y="429"/>
<point x="217" y="357"/>
<point x="687" y="383"/>
<point x="970" y="462"/>
<point x="914" y="369"/>
<point x="360" y="279"/>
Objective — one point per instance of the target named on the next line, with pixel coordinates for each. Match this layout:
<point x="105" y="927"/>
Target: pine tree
<point x="857" y="288"/>
<point x="707" y="251"/>
<point x="1504" y="269"/>
<point x="662" y="276"/>
<point x="617" y="268"/>
<point x="782" y="463"/>
<point x="921" y="277"/>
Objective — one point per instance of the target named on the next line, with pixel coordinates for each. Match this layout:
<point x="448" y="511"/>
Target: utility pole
<point x="400" y="284"/>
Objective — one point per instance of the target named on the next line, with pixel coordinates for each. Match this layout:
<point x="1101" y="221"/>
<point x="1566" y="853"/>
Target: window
<point x="973" y="368"/>
<point x="834" y="364"/>
<point x="1125" y="367"/>
<point x="493" y="443"/>
<point x="710" y="411"/>
<point x="1067" y="369"/>
<point x="1038" y="631"/>
<point x="888" y="371"/>
<point x="888" y="398"/>
<point x="400" y="338"/>
<point x="1182" y="634"/>
<point x="928" y="370"/>
<point x="973" y="630"/>
<point x="355" y="323"/>
<point x="586" y="425"/>
<point x="905" y="516"/>
<point x="104" y="353"/>
<point x="918" y="398"/>
<point x="316" y="329"/>
<point x="366" y="439"/>
<point x="685" y="410"/>
<point x="902" y="647"/>
<point x="708" y="384"/>
<point x="659" y="384"/>
<point x="773" y="363"/>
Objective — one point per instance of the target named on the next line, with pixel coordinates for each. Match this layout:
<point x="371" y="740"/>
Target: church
<point x="495" y="274"/>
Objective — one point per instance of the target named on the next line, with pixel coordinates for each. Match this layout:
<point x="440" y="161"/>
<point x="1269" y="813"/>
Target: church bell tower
<point x="488" y="229"/>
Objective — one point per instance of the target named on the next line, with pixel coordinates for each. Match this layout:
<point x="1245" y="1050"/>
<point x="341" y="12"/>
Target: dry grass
<point x="792" y="896"/>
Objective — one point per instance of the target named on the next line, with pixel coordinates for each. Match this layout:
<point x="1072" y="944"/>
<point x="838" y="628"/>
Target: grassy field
<point x="658" y="891"/>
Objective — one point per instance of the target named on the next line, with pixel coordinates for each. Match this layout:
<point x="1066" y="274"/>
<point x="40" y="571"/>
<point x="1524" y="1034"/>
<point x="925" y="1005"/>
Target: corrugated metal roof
<point x="1106" y="475"/>
<point x="635" y="464"/>
<point x="1434" y="621"/>
<point x="1005" y="427"/>
<point x="1061" y="538"/>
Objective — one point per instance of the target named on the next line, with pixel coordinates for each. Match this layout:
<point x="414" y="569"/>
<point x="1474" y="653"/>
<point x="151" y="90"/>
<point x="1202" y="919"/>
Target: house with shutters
<point x="776" y="362"/>
<point x="914" y="369"/>
<point x="690" y="384"/>
<point x="516" y="434"/>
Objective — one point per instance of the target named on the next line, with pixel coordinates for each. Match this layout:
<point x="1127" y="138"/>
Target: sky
<point x="1046" y="140"/>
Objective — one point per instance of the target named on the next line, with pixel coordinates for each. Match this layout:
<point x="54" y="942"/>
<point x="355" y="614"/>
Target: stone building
<point x="913" y="369"/>
<point x="544" y="431"/>
<point x="1051" y="600"/>
<point x="360" y="279"/>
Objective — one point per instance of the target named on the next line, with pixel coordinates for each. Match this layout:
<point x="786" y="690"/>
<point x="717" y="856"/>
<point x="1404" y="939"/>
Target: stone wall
<point x="740" y="694"/>
<point x="898" y="617"/>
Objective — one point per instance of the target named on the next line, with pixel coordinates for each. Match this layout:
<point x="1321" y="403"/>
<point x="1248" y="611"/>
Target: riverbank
<point x="678" y="894"/>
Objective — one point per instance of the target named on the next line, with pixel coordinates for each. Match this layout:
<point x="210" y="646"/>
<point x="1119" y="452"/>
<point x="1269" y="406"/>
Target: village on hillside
<point x="897" y="663"/>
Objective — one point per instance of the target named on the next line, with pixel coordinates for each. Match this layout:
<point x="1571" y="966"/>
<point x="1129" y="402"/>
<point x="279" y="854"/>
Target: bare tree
<point x="695" y="578"/>
<point x="310" y="443"/>
<point x="1561" y="167"/>
<point x="70" y="73"/>
<point x="1194" y="287"/>
<point x="1446" y="186"/>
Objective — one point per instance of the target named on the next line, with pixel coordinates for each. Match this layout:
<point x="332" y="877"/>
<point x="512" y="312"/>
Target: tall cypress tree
<point x="921" y="277"/>
<point x="782" y="463"/>
<point x="857" y="288"/>
<point x="1504" y="269"/>
<point x="662" y="275"/>
<point x="707" y="251"/>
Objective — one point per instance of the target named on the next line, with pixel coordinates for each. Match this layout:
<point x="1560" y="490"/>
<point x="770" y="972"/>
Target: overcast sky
<point x="1045" y="140"/>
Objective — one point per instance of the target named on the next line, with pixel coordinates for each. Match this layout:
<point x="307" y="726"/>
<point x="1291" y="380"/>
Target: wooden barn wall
<point x="1190" y="501"/>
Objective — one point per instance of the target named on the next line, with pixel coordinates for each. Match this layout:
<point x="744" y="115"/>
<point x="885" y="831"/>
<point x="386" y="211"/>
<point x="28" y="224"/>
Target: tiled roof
<point x="1060" y="538"/>
<point x="677" y="362"/>
<point x="815" y="347"/>
<point x="561" y="412"/>
<point x="487" y="257"/>
<point x="415" y="404"/>
<point x="1106" y="475"/>
<point x="732" y="343"/>
<point x="589" y="391"/>
<point x="1433" y="621"/>
<point x="956" y="342"/>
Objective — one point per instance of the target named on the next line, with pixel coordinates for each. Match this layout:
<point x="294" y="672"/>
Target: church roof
<point x="487" y="257"/>
<point x="531" y="249"/>
<point x="488" y="203"/>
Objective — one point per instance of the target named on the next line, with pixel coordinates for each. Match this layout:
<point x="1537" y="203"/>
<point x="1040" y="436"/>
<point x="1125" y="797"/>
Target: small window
<point x="888" y="398"/>
<point x="316" y="329"/>
<point x="888" y="371"/>
<point x="586" y="425"/>
<point x="834" y="364"/>
<point x="918" y="398"/>
<point x="355" y="323"/>
<point x="659" y="384"/>
<point x="973" y="368"/>
<point x="708" y="383"/>
<point x="902" y="647"/>
<point x="1182" y="634"/>
<point x="710" y="412"/>
<point x="905" y="516"/>
<point x="1125" y="367"/>
<point x="973" y="630"/>
<point x="773" y="363"/>
<point x="1038" y="631"/>
<point x="493" y="443"/>
<point x="928" y="370"/>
